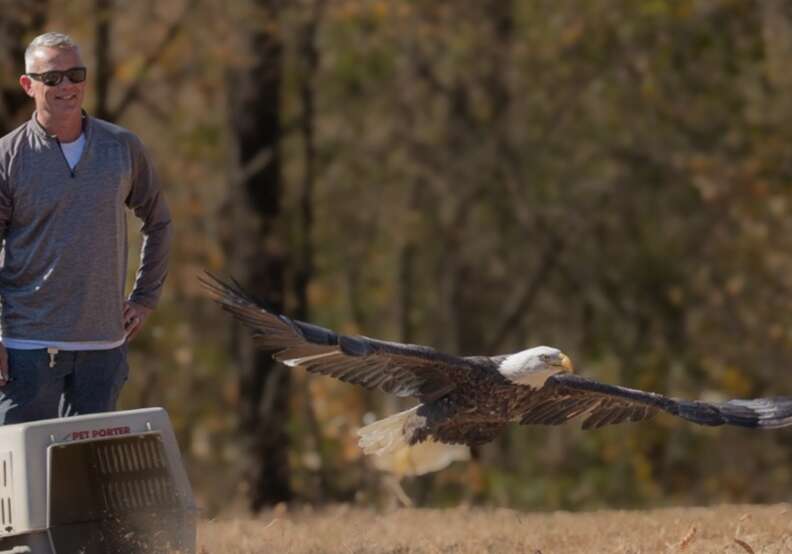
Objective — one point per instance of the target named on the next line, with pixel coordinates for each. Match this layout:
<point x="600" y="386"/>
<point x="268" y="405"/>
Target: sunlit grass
<point x="724" y="529"/>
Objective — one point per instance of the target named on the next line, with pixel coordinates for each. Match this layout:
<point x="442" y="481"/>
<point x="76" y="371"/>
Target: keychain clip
<point x="52" y="352"/>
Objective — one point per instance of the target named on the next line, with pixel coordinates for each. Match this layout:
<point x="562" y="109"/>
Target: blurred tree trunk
<point x="309" y="58"/>
<point x="777" y="34"/>
<point x="19" y="20"/>
<point x="257" y="254"/>
<point x="103" y="11"/>
<point x="776" y="18"/>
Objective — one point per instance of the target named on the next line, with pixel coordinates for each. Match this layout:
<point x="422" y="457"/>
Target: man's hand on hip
<point x="134" y="317"/>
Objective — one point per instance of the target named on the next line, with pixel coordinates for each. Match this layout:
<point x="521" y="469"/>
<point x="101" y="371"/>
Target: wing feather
<point x="545" y="410"/>
<point x="556" y="414"/>
<point x="302" y="352"/>
<point x="396" y="368"/>
<point x="603" y="404"/>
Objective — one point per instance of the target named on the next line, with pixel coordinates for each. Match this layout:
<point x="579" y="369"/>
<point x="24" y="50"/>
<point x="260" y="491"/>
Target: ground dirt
<point x="725" y="529"/>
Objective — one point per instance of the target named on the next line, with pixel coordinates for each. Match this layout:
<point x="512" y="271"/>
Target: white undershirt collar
<point x="73" y="150"/>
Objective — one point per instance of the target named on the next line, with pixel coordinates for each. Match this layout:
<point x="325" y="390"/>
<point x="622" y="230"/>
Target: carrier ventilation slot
<point x="6" y="492"/>
<point x="111" y="477"/>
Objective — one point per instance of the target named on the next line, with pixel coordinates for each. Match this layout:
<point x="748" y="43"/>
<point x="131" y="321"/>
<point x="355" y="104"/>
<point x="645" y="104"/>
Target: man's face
<point x="60" y="100"/>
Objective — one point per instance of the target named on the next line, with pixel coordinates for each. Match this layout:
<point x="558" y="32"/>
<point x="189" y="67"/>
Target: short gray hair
<point x="47" y="40"/>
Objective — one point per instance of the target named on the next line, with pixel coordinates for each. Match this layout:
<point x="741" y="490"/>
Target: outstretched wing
<point x="399" y="369"/>
<point x="566" y="396"/>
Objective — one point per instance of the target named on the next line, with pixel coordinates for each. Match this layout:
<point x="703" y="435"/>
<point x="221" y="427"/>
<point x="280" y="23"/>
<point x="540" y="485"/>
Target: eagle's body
<point x="469" y="400"/>
<point x="475" y="412"/>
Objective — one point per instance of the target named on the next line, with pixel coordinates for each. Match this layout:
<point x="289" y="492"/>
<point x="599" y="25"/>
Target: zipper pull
<point x="52" y="352"/>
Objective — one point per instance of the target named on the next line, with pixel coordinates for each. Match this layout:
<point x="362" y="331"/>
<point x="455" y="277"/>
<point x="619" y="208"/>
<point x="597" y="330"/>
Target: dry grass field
<point x="725" y="529"/>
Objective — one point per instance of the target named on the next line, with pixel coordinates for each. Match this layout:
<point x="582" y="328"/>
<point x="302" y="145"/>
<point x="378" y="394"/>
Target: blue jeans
<point x="80" y="382"/>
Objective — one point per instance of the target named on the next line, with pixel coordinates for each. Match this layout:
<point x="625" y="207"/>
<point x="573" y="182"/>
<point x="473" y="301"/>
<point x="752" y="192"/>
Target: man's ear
<point x="27" y="84"/>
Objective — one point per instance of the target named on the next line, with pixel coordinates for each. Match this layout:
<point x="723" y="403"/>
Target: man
<point x="66" y="180"/>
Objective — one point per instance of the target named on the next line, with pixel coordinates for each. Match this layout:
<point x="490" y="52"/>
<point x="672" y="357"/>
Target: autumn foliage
<point x="611" y="177"/>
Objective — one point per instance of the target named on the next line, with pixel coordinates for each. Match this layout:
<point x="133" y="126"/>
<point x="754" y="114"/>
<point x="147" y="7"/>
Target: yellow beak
<point x="566" y="363"/>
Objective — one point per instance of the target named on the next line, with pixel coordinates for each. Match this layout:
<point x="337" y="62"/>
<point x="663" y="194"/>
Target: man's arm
<point x="6" y="207"/>
<point x="148" y="203"/>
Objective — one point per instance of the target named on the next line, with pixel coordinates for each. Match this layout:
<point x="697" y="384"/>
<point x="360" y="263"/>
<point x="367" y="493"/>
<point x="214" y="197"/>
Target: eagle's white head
<point x="532" y="367"/>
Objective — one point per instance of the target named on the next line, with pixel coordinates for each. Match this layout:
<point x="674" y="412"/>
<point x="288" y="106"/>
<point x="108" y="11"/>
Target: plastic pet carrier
<point x="95" y="484"/>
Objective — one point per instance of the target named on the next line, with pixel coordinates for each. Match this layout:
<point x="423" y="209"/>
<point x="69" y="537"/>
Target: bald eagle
<point x="469" y="400"/>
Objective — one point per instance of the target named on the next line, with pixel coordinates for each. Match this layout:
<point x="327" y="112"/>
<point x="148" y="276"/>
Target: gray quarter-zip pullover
<point x="65" y="233"/>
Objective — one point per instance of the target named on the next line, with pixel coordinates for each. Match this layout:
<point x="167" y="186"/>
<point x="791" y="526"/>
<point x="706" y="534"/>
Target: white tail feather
<point x="419" y="459"/>
<point x="385" y="440"/>
<point x="386" y="435"/>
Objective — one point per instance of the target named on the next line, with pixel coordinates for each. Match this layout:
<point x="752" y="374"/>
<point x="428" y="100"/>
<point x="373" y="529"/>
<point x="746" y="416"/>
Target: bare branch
<point x="526" y="298"/>
<point x="258" y="162"/>
<point x="133" y="92"/>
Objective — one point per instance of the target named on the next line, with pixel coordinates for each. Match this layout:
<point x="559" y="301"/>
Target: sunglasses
<point x="53" y="78"/>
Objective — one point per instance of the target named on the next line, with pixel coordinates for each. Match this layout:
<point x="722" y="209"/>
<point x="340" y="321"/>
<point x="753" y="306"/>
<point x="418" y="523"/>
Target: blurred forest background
<point x="611" y="177"/>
